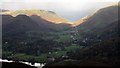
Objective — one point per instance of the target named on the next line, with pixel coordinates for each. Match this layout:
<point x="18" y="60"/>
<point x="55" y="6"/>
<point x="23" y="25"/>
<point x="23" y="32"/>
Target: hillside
<point x="95" y="24"/>
<point x="47" y="15"/>
<point x="101" y="18"/>
<point x="100" y="41"/>
<point x="21" y="35"/>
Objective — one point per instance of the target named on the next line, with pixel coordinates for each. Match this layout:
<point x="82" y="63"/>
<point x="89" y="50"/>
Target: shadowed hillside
<point x="15" y="65"/>
<point x="100" y="37"/>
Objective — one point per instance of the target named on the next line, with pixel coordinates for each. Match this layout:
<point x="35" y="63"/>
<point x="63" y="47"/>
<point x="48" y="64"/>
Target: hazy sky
<point x="70" y="9"/>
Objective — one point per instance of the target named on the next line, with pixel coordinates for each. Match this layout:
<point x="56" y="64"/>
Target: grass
<point x="72" y="47"/>
<point x="58" y="53"/>
<point x="41" y="57"/>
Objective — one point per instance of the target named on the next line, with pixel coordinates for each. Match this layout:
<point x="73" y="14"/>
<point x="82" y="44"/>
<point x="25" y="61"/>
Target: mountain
<point x="91" y="38"/>
<point x="31" y="29"/>
<point x="101" y="18"/>
<point x="79" y="22"/>
<point x="95" y="24"/>
<point x="18" y="23"/>
<point x="100" y="41"/>
<point x="33" y="23"/>
<point x="26" y="35"/>
<point x="47" y="15"/>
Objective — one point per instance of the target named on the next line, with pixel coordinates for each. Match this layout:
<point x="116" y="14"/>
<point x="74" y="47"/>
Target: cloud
<point x="59" y="0"/>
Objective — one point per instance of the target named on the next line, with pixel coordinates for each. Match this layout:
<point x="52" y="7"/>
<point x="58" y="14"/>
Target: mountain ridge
<point x="47" y="15"/>
<point x="50" y="15"/>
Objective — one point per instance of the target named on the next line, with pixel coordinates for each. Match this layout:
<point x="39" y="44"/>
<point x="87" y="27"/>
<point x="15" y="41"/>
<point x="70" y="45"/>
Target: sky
<point x="70" y="9"/>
